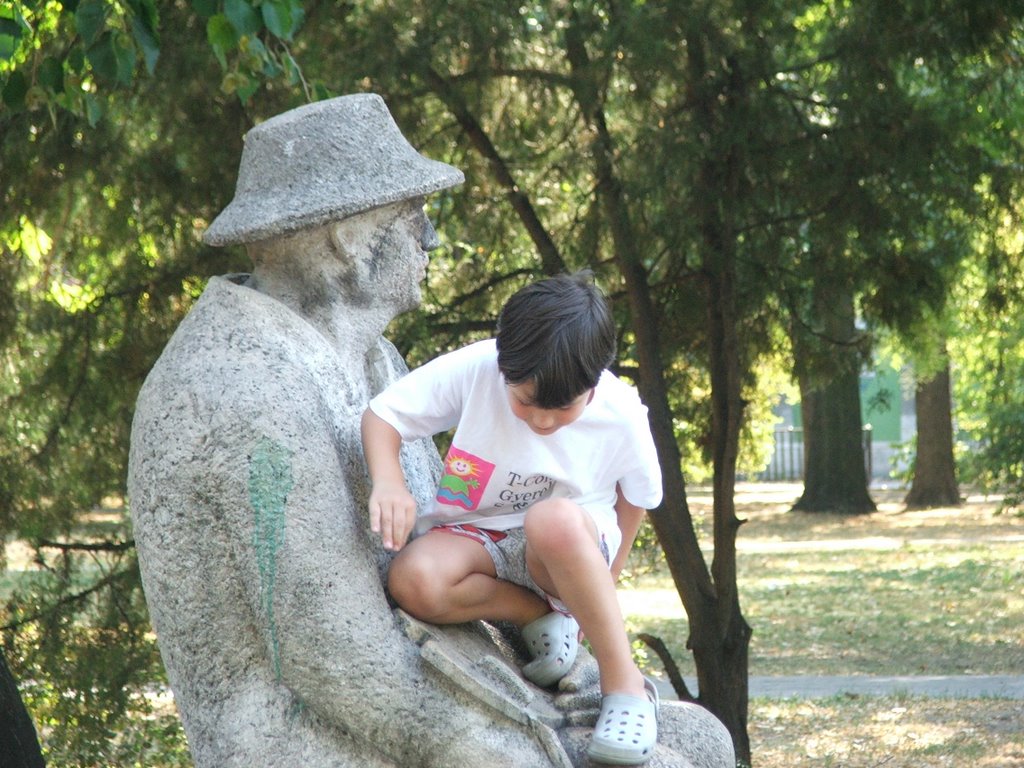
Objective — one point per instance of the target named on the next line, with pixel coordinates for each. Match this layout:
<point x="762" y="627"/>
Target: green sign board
<point x="881" y="405"/>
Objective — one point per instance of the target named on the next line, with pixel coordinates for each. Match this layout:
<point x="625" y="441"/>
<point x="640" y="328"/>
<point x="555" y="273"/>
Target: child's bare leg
<point x="564" y="559"/>
<point x="447" y="579"/>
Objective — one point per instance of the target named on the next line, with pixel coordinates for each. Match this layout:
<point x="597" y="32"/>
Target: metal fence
<point x="788" y="457"/>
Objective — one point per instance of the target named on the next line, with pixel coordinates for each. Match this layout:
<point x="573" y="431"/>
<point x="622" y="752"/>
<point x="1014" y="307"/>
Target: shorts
<point x="508" y="551"/>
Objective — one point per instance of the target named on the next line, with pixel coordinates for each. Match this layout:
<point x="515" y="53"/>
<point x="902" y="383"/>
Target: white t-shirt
<point x="497" y="466"/>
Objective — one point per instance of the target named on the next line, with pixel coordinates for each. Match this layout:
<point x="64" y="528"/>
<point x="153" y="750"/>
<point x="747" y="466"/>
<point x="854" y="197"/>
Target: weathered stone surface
<point x="248" y="492"/>
<point x="689" y="735"/>
<point x="324" y="162"/>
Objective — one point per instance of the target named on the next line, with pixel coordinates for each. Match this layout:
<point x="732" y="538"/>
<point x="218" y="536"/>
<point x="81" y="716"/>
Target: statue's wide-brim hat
<point x="320" y="163"/>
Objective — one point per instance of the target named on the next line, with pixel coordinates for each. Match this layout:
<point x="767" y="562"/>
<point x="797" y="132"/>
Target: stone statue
<point x="248" y="487"/>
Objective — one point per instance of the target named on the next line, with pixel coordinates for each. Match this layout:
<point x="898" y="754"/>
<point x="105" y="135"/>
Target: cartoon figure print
<point x="464" y="480"/>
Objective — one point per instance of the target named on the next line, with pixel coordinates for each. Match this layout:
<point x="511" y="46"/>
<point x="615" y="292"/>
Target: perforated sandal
<point x="552" y="641"/>
<point x="627" y="728"/>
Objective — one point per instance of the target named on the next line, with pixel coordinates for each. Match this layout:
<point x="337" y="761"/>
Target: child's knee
<point x="411" y="585"/>
<point x="558" y="526"/>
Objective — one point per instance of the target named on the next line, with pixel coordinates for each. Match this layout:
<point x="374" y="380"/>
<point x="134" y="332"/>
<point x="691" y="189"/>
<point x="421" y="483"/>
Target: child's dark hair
<point x="559" y="334"/>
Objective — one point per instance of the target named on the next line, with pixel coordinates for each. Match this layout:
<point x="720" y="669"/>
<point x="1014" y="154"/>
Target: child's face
<point x="544" y="421"/>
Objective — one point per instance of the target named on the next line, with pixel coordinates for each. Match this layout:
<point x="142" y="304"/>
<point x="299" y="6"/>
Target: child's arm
<point x="392" y="507"/>
<point x="630" y="517"/>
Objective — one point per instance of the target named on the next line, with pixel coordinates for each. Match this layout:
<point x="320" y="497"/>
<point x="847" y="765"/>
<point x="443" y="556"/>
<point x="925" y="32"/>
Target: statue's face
<point x="386" y="250"/>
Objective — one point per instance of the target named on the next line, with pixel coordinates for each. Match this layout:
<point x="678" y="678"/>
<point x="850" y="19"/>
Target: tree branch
<point x="82" y="546"/>
<point x="675" y="677"/>
<point x="550" y="257"/>
<point x="106" y="581"/>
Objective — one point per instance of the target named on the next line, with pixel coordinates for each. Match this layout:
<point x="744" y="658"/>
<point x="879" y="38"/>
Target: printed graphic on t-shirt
<point x="464" y="480"/>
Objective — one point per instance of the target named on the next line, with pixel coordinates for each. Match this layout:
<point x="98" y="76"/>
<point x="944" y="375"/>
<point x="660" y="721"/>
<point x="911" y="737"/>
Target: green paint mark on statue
<point x="270" y="482"/>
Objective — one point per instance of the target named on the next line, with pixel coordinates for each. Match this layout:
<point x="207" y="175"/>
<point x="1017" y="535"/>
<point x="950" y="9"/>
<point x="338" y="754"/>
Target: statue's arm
<point x="314" y="585"/>
<point x="327" y="637"/>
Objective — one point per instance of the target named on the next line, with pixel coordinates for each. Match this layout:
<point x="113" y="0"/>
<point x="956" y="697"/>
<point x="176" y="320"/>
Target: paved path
<point x="871" y="543"/>
<point x="817" y="687"/>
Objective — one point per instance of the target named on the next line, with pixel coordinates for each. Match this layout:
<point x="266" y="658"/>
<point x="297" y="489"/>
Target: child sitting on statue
<point x="551" y="468"/>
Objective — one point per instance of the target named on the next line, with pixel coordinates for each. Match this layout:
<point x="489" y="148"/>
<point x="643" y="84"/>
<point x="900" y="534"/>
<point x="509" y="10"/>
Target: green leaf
<point x="90" y="18"/>
<point x="298" y="13"/>
<point x="124" y="52"/>
<point x="321" y="91"/>
<point x="147" y="43"/>
<point x="102" y="59"/>
<point x="10" y="28"/>
<point x="148" y="14"/>
<point x="247" y="90"/>
<point x="272" y="69"/>
<point x="15" y="90"/>
<point x="292" y="71"/>
<point x="10" y="33"/>
<point x="76" y="60"/>
<point x="205" y="8"/>
<point x="243" y="17"/>
<point x="221" y="36"/>
<point x="112" y="58"/>
<point x="93" y="109"/>
<point x="277" y="15"/>
<point x="51" y="74"/>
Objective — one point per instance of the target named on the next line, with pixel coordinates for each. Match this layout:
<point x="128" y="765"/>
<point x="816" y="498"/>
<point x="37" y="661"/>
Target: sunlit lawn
<point x="930" y="610"/>
<point x="889" y="731"/>
<point x="937" y="592"/>
<point x="891" y="593"/>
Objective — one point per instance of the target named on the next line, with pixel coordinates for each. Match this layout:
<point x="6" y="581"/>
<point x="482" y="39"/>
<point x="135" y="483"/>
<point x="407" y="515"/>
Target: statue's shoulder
<point x="233" y="325"/>
<point x="228" y="307"/>
<point x="237" y="348"/>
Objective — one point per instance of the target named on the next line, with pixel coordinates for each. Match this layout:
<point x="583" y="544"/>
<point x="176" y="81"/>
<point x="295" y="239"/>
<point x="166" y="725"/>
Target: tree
<point x="603" y="151"/>
<point x="835" y="479"/>
<point x="988" y="349"/>
<point x="897" y="149"/>
<point x="971" y="339"/>
<point x="99" y="260"/>
<point x="934" y="483"/>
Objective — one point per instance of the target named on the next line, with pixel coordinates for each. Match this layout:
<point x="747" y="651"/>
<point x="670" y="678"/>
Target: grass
<point x="935" y="592"/>
<point x="890" y="731"/>
<point x="910" y="611"/>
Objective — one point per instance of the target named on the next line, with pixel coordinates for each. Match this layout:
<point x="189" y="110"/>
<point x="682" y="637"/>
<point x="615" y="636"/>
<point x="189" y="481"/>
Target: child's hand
<point x="392" y="513"/>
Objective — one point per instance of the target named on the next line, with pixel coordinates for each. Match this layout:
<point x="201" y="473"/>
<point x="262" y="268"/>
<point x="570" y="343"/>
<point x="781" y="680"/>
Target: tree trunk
<point x="934" y="482"/>
<point x="723" y="658"/>
<point x="835" y="478"/>
<point x="719" y="636"/>
<point x="721" y="640"/>
<point x="19" y="747"/>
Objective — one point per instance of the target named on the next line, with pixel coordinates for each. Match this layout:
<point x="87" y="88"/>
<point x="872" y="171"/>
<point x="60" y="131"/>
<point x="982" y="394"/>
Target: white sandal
<point x="627" y="728"/>
<point x="552" y="641"/>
